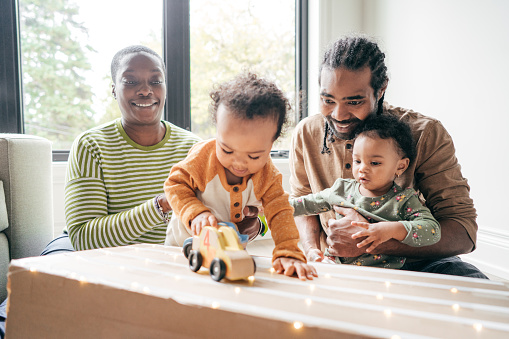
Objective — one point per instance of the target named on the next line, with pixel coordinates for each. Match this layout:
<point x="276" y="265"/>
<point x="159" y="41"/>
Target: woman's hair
<point x="354" y="53"/>
<point x="248" y="97"/>
<point x="117" y="58"/>
<point x="387" y="126"/>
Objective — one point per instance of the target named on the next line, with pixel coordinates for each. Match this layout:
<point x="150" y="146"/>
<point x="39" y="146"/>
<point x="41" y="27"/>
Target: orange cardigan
<point x="198" y="184"/>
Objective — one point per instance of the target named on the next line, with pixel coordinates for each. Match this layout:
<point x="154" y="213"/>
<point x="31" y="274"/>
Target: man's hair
<point x="387" y="126"/>
<point x="354" y="53"/>
<point x="248" y="96"/>
<point x="117" y="58"/>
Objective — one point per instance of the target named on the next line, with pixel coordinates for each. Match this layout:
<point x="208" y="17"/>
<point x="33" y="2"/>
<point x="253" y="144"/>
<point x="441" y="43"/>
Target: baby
<point x="382" y="151"/>
<point x="222" y="176"/>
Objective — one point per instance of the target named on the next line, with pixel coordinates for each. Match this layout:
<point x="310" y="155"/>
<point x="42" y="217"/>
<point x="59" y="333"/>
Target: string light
<point x="298" y="325"/>
<point x="308" y="301"/>
<point x="454" y="290"/>
<point x="388" y="312"/>
<point x="456" y="307"/>
<point x="237" y="290"/>
<point x="379" y="296"/>
<point x="272" y="270"/>
<point x="387" y="283"/>
<point x="251" y="279"/>
<point x="478" y="327"/>
<point x="146" y="290"/>
<point x="33" y="269"/>
<point x="312" y="287"/>
<point x="327" y="275"/>
<point x="215" y="305"/>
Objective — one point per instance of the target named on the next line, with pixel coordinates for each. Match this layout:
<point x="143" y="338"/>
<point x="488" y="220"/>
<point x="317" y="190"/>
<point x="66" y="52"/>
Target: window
<point x="239" y="35"/>
<point x="65" y="48"/>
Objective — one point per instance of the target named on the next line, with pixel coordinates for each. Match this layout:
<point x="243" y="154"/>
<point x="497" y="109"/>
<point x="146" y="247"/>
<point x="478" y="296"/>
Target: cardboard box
<point x="148" y="291"/>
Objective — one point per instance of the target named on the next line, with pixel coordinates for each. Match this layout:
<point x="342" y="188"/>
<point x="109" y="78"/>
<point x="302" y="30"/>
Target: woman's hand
<point x="290" y="266"/>
<point x="201" y="220"/>
<point x="251" y="224"/>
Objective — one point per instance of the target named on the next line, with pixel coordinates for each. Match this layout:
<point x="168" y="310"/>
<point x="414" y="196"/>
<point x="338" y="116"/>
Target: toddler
<point x="222" y="176"/>
<point x="382" y="151"/>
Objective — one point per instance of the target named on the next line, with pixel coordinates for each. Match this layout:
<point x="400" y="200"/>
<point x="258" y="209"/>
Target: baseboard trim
<point x="491" y="253"/>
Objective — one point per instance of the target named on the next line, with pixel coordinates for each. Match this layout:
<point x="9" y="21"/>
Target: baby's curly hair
<point x="387" y="126"/>
<point x="248" y="97"/>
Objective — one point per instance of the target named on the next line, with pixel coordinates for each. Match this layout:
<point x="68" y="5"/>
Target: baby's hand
<point x="290" y="266"/>
<point x="202" y="220"/>
<point x="315" y="255"/>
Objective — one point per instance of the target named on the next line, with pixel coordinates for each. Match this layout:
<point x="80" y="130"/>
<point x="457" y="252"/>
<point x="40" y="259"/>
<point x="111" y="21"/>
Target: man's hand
<point x="290" y="266"/>
<point x="250" y="225"/>
<point x="339" y="237"/>
<point x="203" y="219"/>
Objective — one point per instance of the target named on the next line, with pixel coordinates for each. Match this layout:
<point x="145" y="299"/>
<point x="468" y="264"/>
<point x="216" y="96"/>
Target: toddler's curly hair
<point x="249" y="97"/>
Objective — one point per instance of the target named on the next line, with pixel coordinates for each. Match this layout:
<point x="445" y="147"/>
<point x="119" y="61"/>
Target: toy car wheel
<point x="217" y="269"/>
<point x="195" y="260"/>
<point x="187" y="249"/>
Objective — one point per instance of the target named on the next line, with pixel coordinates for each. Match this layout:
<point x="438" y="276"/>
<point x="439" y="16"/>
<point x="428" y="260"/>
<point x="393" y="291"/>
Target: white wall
<point x="447" y="59"/>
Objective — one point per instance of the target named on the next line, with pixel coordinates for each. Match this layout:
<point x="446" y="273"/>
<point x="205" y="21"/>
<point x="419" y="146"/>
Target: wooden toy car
<point x="222" y="251"/>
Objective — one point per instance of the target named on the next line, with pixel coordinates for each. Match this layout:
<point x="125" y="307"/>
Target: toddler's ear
<point x="402" y="166"/>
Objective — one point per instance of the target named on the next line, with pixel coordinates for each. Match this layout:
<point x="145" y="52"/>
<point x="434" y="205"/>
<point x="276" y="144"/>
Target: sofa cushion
<point x="4" y="221"/>
<point x="25" y="169"/>
<point x="4" y="265"/>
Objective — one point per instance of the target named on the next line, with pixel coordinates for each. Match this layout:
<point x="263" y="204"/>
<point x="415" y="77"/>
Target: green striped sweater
<point x="111" y="183"/>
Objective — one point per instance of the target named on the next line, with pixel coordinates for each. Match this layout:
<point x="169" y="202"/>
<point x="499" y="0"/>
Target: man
<point x="353" y="79"/>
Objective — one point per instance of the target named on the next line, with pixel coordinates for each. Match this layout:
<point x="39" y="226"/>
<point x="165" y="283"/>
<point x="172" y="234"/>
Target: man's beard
<point x="350" y="135"/>
<point x="344" y="136"/>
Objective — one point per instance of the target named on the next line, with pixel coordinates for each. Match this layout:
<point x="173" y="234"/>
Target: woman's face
<point x="140" y="89"/>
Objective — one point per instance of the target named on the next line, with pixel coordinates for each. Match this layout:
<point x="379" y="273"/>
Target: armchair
<point x="26" y="199"/>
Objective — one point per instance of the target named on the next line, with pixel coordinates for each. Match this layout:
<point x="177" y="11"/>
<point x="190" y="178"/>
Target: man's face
<point x="347" y="98"/>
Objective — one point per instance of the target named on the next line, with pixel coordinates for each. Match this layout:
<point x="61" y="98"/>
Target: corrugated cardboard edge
<point x="54" y="307"/>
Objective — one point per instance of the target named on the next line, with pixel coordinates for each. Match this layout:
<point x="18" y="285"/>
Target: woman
<point x="115" y="173"/>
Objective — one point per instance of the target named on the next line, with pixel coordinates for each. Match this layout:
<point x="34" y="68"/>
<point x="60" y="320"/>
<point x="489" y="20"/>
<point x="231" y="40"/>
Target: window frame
<point x="176" y="33"/>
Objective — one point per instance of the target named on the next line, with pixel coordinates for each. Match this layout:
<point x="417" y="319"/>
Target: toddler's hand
<point x="202" y="220"/>
<point x="315" y="255"/>
<point x="290" y="266"/>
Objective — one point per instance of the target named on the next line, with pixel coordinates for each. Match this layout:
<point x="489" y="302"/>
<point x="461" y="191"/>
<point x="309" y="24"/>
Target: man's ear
<point x="113" y="91"/>
<point x="381" y="92"/>
<point x="402" y="166"/>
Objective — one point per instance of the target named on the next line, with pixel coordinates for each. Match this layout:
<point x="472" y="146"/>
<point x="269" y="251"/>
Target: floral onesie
<point x="397" y="204"/>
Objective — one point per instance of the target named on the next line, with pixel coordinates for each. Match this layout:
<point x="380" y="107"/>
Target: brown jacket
<point x="435" y="173"/>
